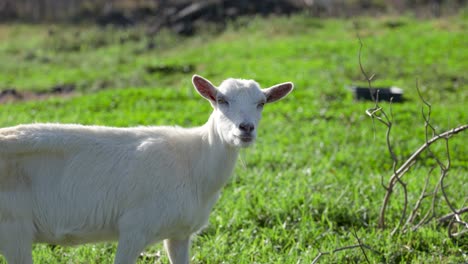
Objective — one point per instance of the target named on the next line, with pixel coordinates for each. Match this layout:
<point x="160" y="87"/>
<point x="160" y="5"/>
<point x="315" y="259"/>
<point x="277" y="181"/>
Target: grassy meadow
<point x="312" y="182"/>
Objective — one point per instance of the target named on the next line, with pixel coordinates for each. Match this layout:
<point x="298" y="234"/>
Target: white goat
<point x="73" y="184"/>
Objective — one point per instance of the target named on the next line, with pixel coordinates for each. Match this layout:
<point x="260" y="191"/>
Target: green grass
<point x="313" y="178"/>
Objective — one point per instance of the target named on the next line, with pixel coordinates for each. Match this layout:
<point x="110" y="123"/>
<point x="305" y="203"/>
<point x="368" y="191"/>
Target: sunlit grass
<point x="314" y="175"/>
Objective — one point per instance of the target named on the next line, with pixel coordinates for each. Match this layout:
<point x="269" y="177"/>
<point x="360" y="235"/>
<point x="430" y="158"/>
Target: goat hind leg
<point x="16" y="242"/>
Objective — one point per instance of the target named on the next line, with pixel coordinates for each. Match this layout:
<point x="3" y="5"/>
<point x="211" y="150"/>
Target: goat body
<point x="74" y="184"/>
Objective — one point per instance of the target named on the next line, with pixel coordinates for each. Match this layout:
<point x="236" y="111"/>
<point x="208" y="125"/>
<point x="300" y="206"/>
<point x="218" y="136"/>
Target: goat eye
<point x="260" y="105"/>
<point x="222" y="101"/>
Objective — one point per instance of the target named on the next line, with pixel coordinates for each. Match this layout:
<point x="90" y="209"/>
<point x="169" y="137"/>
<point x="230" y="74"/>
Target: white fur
<point x="74" y="184"/>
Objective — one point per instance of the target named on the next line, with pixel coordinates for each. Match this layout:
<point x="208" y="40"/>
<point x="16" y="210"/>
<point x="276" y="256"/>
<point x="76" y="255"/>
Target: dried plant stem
<point x="407" y="165"/>
<point x="362" y="246"/>
<point x="406" y="223"/>
<point x="422" y="196"/>
<point x="449" y="217"/>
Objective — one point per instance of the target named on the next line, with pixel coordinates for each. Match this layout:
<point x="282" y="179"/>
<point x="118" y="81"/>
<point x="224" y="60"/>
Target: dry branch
<point x="409" y="163"/>
<point x="360" y="245"/>
<point x="449" y="217"/>
<point x="431" y="136"/>
<point x="321" y="254"/>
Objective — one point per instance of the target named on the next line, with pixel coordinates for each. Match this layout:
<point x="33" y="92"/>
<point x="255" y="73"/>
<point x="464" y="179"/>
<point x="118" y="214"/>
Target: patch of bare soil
<point x="14" y="95"/>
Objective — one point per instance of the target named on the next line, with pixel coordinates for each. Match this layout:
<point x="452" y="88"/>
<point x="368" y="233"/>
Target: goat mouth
<point x="246" y="139"/>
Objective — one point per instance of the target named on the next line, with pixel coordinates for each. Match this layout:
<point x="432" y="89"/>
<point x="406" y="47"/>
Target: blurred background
<point x="313" y="182"/>
<point x="183" y="15"/>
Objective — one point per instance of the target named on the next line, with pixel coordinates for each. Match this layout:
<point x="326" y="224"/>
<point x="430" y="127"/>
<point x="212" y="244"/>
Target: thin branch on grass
<point x="431" y="136"/>
<point x="379" y="113"/>
<point x="427" y="117"/>
<point x="450" y="216"/>
<point x="360" y="244"/>
<point x="321" y="254"/>
<point x="409" y="163"/>
<point x="418" y="203"/>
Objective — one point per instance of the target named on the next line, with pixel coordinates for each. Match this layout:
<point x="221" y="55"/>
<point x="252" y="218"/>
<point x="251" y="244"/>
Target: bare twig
<point x="429" y="107"/>
<point x="431" y="136"/>
<point x="410" y="162"/>
<point x="422" y="196"/>
<point x="321" y="254"/>
<point x="450" y="216"/>
<point x="360" y="245"/>
<point x="377" y="112"/>
<point x="368" y="78"/>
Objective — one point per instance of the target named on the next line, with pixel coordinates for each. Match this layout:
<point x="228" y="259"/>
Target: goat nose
<point x="246" y="127"/>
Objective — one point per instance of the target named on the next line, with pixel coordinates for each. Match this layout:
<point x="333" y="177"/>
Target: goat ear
<point x="204" y="87"/>
<point x="276" y="92"/>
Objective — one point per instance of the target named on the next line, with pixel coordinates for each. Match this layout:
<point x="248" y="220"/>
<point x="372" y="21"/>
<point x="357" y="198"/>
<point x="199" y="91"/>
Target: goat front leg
<point x="129" y="248"/>
<point x="178" y="250"/>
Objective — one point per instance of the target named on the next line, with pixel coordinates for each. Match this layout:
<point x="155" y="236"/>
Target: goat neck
<point x="217" y="161"/>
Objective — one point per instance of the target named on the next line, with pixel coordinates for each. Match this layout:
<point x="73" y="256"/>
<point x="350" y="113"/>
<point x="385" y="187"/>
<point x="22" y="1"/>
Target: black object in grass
<point x="388" y="94"/>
